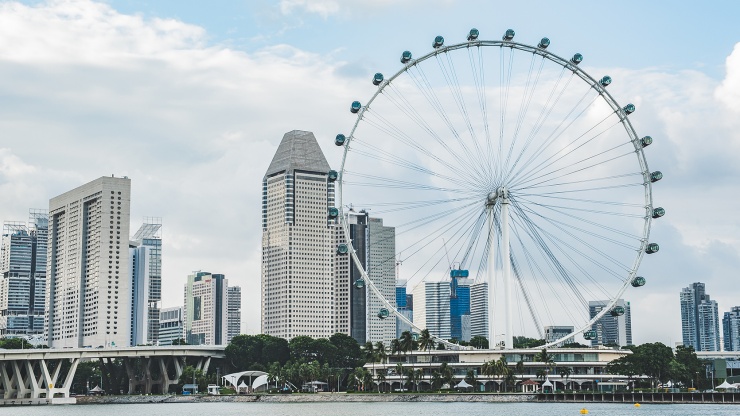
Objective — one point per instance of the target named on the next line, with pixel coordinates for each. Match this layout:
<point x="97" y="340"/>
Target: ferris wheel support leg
<point x="491" y="277"/>
<point x="506" y="266"/>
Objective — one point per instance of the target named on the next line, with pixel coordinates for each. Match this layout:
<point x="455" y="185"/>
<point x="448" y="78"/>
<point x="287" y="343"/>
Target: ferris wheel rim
<point x="558" y="60"/>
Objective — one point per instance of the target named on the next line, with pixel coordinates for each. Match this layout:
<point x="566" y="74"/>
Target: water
<point x="376" y="409"/>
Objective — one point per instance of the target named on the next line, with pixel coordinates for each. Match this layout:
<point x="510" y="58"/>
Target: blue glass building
<point x="459" y="306"/>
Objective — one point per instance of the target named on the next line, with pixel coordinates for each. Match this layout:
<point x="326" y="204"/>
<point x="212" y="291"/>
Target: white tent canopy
<point x="233" y="378"/>
<point x="726" y="385"/>
<point x="242" y="385"/>
<point x="547" y="383"/>
<point x="463" y="385"/>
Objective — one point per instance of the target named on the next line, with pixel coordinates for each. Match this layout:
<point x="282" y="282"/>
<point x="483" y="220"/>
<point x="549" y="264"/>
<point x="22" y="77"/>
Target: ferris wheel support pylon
<point x="503" y="195"/>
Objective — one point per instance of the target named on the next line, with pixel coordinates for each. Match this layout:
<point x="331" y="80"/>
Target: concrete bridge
<point x="37" y="375"/>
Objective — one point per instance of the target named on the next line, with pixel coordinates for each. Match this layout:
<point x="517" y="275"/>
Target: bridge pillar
<point x="8" y="382"/>
<point x="21" y="382"/>
<point x="165" y="379"/>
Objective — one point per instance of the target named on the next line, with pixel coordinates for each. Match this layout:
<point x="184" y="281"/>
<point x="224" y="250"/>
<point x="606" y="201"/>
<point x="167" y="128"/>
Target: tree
<point x="694" y="374"/>
<point x="436" y="380"/>
<point x="426" y="342"/>
<point x="446" y="373"/>
<point x="574" y="345"/>
<point x="179" y="341"/>
<point x="504" y="370"/>
<point x="190" y="374"/>
<point x="524" y="342"/>
<point x="490" y="369"/>
<point x="519" y="368"/>
<point x="479" y="342"/>
<point x="347" y="351"/>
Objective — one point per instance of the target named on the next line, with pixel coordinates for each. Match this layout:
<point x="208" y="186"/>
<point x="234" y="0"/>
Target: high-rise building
<point x="23" y="276"/>
<point x="404" y="308"/>
<point x="611" y="329"/>
<point x="205" y="315"/>
<point x="731" y="329"/>
<point x="375" y="247"/>
<point x="145" y="253"/>
<point x="557" y="332"/>
<point x="88" y="285"/>
<point x="170" y="325"/>
<point x="234" y="312"/>
<point x="298" y="241"/>
<point x="459" y="307"/>
<point x="479" y="310"/>
<point x="699" y="318"/>
<point x="432" y="307"/>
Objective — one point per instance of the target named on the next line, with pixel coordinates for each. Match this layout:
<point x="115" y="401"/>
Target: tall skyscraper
<point x="459" y="307"/>
<point x="432" y="307"/>
<point x="171" y="326"/>
<point x="699" y="318"/>
<point x="205" y="314"/>
<point x="610" y="329"/>
<point x="88" y="285"/>
<point x="23" y="276"/>
<point x="298" y="241"/>
<point x="404" y="308"/>
<point x="145" y="253"/>
<point x="375" y="246"/>
<point x="731" y="329"/>
<point x="234" y="312"/>
<point x="479" y="310"/>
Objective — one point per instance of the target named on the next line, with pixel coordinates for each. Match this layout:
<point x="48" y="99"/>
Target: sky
<point x="190" y="99"/>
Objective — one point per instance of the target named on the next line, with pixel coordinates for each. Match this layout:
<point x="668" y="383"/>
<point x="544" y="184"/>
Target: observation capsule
<point x="629" y="109"/>
<point x="652" y="248"/>
<point x="405" y="57"/>
<point x="646" y="141"/>
<point x="605" y="81"/>
<point x="332" y="175"/>
<point x="473" y="34"/>
<point x="359" y="283"/>
<point x="340" y="139"/>
<point x="509" y="35"/>
<point x="589" y="335"/>
<point x="544" y="43"/>
<point x="438" y="42"/>
<point x="377" y="78"/>
<point x="617" y="311"/>
<point x="355" y="108"/>
<point x="333" y="212"/>
<point x="638" y="281"/>
<point x="658" y="212"/>
<point x="383" y="313"/>
<point x="576" y="59"/>
<point x="656" y="176"/>
<point x="342" y="249"/>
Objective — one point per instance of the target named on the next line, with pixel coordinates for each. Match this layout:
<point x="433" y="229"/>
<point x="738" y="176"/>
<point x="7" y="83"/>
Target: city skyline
<point x="217" y="152"/>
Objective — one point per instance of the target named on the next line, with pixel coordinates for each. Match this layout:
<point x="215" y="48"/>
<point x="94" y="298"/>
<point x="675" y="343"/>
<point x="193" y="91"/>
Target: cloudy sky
<point x="190" y="99"/>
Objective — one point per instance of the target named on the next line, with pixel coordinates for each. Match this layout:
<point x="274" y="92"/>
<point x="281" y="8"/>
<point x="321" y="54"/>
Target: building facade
<point x="23" y="276"/>
<point x="145" y="254"/>
<point x="171" y="328"/>
<point x="234" y="312"/>
<point x="699" y="318"/>
<point x="731" y="329"/>
<point x="460" y="308"/>
<point x="298" y="241"/>
<point x="88" y="285"/>
<point x="205" y="315"/>
<point x="432" y="307"/>
<point x="555" y="332"/>
<point x="479" y="310"/>
<point x="611" y="330"/>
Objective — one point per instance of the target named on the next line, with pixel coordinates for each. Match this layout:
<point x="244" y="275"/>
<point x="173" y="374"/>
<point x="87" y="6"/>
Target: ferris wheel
<point x="507" y="169"/>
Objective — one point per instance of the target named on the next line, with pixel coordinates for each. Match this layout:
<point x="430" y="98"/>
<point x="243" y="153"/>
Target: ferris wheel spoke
<point x="583" y="200"/>
<point x="527" y="95"/>
<point x="590" y="211"/>
<point x="384" y="156"/>
<point x="571" y="226"/>
<point x="560" y="243"/>
<point x="527" y="171"/>
<point x="479" y="78"/>
<point x="380" y="181"/>
<point x="423" y="84"/>
<point x="540" y="123"/>
<point x="556" y="269"/>
<point x="545" y="184"/>
<point x="599" y="188"/>
<point x="542" y="166"/>
<point x="525" y="294"/>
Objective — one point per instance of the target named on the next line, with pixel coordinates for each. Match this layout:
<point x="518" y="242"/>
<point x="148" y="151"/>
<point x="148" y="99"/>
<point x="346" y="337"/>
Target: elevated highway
<point x="43" y="373"/>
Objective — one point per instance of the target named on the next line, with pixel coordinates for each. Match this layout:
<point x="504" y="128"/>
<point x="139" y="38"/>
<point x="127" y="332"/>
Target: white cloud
<point x="729" y="91"/>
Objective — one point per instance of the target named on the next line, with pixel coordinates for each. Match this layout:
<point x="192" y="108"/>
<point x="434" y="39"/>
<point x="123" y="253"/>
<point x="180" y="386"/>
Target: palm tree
<point x="490" y="369"/>
<point x="426" y="342"/>
<point x="380" y="377"/>
<point x="418" y="374"/>
<point x="503" y="369"/>
<point x="400" y="373"/>
<point x="445" y="371"/>
<point x="368" y="352"/>
<point x="380" y="356"/>
<point x="407" y="343"/>
<point x="396" y="347"/>
<point x="541" y="374"/>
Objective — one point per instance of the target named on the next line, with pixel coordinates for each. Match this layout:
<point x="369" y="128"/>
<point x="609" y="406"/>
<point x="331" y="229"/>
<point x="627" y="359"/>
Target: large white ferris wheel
<point x="509" y="165"/>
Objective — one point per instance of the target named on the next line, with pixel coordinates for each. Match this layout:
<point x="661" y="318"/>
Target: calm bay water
<point x="375" y="409"/>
